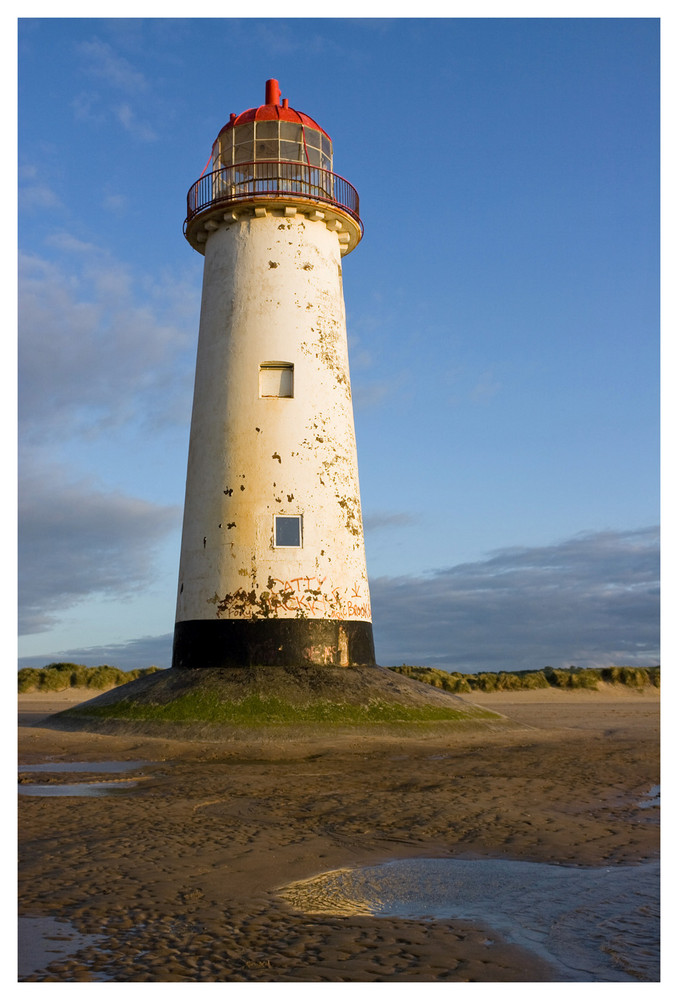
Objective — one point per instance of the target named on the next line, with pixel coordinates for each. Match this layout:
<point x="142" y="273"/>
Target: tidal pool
<point x="591" y="924"/>
<point x="91" y="766"/>
<point x="80" y="788"/>
<point x="44" y="939"/>
<point x="652" y="799"/>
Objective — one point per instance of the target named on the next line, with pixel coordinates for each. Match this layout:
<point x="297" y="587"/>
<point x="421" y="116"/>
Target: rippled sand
<point x="178" y="877"/>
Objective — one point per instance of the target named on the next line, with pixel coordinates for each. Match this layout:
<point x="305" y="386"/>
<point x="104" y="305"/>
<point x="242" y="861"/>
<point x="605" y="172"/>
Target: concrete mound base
<point x="223" y="703"/>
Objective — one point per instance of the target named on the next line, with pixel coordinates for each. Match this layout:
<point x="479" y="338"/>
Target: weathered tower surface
<point x="272" y="565"/>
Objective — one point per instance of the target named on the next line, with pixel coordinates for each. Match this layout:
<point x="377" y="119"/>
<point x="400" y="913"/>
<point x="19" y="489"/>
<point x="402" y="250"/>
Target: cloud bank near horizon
<point x="591" y="600"/>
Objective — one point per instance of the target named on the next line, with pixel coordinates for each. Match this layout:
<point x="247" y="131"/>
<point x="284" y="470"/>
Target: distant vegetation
<point x="59" y="676"/>
<point x="524" y="680"/>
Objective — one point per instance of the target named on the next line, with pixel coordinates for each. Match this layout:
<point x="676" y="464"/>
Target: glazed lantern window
<point x="254" y="142"/>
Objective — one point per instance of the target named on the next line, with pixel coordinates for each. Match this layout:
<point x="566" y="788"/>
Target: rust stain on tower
<point x="272" y="405"/>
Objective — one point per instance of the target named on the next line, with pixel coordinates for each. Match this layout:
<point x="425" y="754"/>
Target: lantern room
<point x="272" y="132"/>
<point x="272" y="154"/>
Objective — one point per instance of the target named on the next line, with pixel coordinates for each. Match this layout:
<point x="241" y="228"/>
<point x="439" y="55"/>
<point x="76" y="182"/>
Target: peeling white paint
<point x="272" y="293"/>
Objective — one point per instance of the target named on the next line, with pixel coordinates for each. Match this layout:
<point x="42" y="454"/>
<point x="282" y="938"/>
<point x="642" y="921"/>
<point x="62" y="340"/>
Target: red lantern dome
<point x="273" y="110"/>
<point x="272" y="154"/>
<point x="273" y="131"/>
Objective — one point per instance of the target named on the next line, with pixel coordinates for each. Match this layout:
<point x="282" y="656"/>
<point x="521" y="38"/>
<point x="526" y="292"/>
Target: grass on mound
<point x="255" y="710"/>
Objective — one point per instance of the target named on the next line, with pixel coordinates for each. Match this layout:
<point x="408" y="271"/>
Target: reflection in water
<point x="591" y="924"/>
<point x="43" y="940"/>
<point x="652" y="799"/>
<point x="80" y="789"/>
<point x="95" y="767"/>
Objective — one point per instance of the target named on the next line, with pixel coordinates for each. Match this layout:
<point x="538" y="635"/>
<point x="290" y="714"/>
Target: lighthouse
<point x="272" y="569"/>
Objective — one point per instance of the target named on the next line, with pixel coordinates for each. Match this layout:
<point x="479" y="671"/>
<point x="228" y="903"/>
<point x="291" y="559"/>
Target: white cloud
<point x="101" y="351"/>
<point x="129" y="121"/>
<point x="116" y="75"/>
<point x="103" y="63"/>
<point x="387" y="519"/>
<point x="87" y="107"/>
<point x="591" y="600"/>
<point x="116" y="203"/>
<point x="100" y="347"/>
<point x="485" y="387"/>
<point x="35" y="193"/>
<point x="76" y="541"/>
<point x="588" y="601"/>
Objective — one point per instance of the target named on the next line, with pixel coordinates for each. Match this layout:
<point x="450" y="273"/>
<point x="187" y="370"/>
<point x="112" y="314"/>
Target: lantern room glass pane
<point x="267" y="130"/>
<point x="291" y="151"/>
<point x="244" y="152"/>
<point x="244" y="133"/>
<point x="267" y="150"/>
<point x="290" y="131"/>
<point x="327" y="145"/>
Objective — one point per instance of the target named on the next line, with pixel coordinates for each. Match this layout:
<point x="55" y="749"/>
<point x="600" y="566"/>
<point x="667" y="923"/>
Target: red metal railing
<point x="271" y="178"/>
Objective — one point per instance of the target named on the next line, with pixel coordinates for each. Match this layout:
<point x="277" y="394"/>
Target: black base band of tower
<point x="282" y="642"/>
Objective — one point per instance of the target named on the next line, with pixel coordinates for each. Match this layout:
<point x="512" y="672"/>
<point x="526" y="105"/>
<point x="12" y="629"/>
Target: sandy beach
<point x="177" y="875"/>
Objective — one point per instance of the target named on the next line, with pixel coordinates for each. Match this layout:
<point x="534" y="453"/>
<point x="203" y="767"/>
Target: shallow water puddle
<point x="652" y="798"/>
<point x="591" y="924"/>
<point x="96" y="766"/>
<point x="43" y="940"/>
<point x="81" y="788"/>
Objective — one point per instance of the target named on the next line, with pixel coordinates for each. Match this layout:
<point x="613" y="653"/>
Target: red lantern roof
<point x="270" y="111"/>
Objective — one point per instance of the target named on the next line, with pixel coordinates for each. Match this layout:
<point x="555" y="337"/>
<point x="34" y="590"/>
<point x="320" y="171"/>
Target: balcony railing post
<point x="271" y="177"/>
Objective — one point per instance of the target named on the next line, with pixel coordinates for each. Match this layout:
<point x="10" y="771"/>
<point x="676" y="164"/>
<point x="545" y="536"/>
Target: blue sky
<point x="502" y="309"/>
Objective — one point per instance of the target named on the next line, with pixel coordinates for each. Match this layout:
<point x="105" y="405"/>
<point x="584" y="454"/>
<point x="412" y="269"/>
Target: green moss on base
<point x="254" y="710"/>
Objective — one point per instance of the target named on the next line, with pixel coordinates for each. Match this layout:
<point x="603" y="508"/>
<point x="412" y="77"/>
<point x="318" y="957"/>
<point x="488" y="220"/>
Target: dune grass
<point x="526" y="680"/>
<point x="61" y="676"/>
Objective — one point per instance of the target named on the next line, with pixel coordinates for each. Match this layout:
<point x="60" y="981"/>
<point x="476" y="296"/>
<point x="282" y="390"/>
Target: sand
<point x="178" y="875"/>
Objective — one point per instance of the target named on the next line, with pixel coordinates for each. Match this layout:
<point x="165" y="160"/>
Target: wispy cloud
<point x="116" y="76"/>
<point x="76" y="541"/>
<point x="100" y="346"/>
<point x="35" y="192"/>
<point x="103" y="63"/>
<point x="387" y="519"/>
<point x="145" y="652"/>
<point x="116" y="203"/>
<point x="130" y="122"/>
<point x="485" y="387"/>
<point x="104" y="354"/>
<point x="590" y="600"/>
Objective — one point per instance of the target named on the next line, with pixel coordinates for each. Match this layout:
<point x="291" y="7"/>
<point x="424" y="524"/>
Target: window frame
<point x="276" y="366"/>
<point x="288" y="517"/>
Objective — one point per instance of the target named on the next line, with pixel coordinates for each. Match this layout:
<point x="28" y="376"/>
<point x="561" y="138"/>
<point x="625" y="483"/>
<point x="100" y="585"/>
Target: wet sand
<point x="178" y="875"/>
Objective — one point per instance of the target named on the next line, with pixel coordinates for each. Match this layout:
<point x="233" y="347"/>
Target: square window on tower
<point x="276" y="379"/>
<point x="287" y="532"/>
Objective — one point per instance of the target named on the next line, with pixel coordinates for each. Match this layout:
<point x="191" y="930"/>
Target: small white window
<point x="287" y="532"/>
<point x="276" y="378"/>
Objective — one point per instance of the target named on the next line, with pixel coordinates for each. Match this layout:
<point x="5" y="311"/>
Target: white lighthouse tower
<point x="272" y="565"/>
